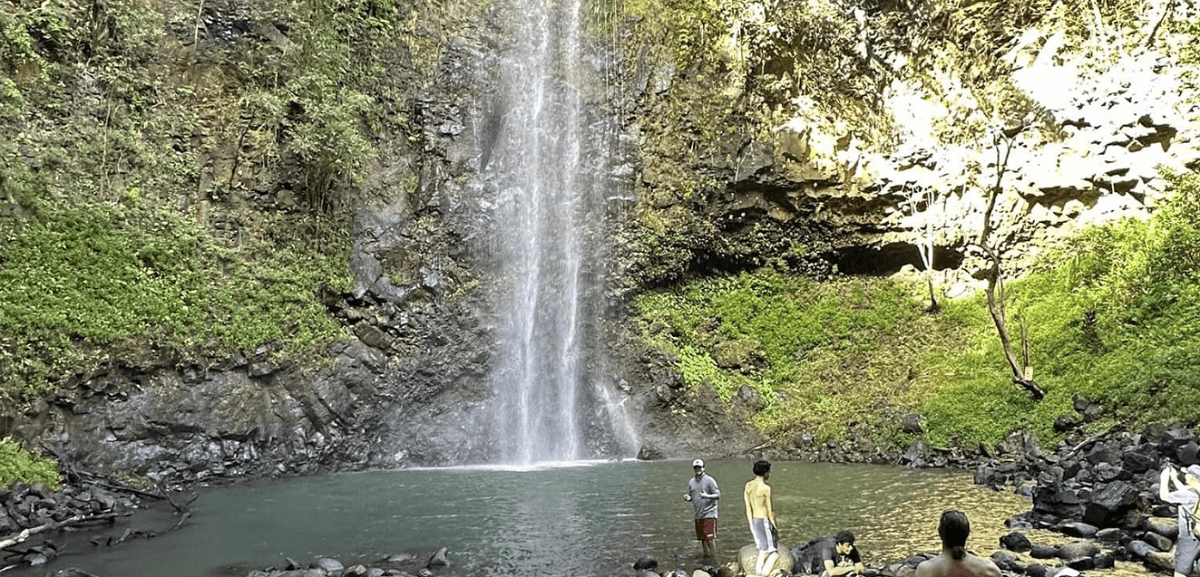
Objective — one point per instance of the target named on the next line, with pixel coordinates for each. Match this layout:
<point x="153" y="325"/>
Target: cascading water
<point x="547" y="167"/>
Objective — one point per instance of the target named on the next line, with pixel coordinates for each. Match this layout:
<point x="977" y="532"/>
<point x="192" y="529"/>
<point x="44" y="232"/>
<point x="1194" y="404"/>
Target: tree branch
<point x="76" y="520"/>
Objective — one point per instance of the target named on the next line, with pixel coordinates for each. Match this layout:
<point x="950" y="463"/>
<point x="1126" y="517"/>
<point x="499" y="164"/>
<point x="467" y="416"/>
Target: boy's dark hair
<point x="762" y="467"/>
<point x="954" y="529"/>
<point x="844" y="537"/>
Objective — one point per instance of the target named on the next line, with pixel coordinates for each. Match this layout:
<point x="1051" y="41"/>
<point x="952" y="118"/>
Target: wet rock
<point x="1036" y="570"/>
<point x="1110" y="503"/>
<point x="645" y="563"/>
<point x="1016" y="541"/>
<point x="1160" y="560"/>
<point x="1077" y="529"/>
<point x="1140" y="549"/>
<point x="439" y="559"/>
<point x="649" y="452"/>
<point x="1168" y="528"/>
<point x="1157" y="541"/>
<point x="329" y="565"/>
<point x="1112" y="535"/>
<point x="1038" y="551"/>
<point x="71" y="572"/>
<point x="912" y="424"/>
<point x="748" y="556"/>
<point x="1008" y="562"/>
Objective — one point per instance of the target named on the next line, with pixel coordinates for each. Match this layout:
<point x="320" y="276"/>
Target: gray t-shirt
<point x="704" y="508"/>
<point x="1186" y="499"/>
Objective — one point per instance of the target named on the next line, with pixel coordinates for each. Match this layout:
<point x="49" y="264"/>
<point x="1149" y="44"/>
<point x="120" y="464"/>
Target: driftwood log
<point x="11" y="540"/>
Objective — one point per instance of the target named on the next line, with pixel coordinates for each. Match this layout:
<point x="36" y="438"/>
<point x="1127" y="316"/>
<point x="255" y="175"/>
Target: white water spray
<point x="548" y="164"/>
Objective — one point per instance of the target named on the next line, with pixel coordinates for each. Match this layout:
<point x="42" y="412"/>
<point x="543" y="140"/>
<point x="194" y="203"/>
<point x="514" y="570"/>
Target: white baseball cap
<point x="698" y="463"/>
<point x="1193" y="470"/>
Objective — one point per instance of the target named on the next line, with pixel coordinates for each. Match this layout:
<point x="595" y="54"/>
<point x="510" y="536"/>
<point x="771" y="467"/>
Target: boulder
<point x="1141" y="549"/>
<point x="1161" y="560"/>
<point x="439" y="559"/>
<point x="1016" y="541"/>
<point x="1077" y="529"/>
<point x="1109" y="504"/>
<point x="748" y="557"/>
<point x="1036" y="570"/>
<point x="1008" y="562"/>
<point x="1167" y="527"/>
<point x="1077" y="549"/>
<point x="1157" y="541"/>
<point x="329" y="565"/>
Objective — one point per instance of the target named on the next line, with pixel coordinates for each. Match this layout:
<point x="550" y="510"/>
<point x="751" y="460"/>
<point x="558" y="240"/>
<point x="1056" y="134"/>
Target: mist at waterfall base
<point x="583" y="519"/>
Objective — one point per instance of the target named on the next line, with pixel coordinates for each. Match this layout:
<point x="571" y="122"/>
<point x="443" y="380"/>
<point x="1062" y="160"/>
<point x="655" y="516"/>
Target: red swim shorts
<point x="706" y="529"/>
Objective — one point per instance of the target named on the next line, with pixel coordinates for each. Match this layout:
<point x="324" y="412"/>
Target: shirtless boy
<point x="761" y="515"/>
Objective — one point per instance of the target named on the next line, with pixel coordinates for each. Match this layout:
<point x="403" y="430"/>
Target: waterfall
<point x="547" y="165"/>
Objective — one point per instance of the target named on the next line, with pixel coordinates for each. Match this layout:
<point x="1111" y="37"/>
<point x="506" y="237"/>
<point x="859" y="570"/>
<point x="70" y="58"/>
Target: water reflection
<point x="586" y="519"/>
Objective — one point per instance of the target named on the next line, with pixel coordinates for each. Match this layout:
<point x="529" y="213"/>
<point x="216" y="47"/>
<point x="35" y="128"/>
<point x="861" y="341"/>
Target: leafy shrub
<point x="105" y="276"/>
<point x="19" y="465"/>
<point x="833" y="352"/>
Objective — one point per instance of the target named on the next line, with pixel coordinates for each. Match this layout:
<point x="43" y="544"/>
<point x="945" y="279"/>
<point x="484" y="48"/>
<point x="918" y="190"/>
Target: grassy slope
<point x="168" y="200"/>
<point x="854" y="350"/>
<point x="181" y="199"/>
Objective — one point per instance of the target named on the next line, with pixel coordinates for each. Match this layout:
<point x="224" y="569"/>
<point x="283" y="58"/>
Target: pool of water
<point x="568" y="519"/>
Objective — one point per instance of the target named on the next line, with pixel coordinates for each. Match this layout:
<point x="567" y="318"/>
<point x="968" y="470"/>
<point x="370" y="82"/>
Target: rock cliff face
<point x="799" y="185"/>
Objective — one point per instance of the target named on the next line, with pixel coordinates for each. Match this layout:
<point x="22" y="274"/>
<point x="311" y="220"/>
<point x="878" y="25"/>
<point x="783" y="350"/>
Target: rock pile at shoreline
<point x="29" y="514"/>
<point x="1102" y="489"/>
<point x="401" y="565"/>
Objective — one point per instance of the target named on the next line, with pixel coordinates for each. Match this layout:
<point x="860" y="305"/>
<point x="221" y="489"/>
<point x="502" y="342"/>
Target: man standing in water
<point x="954" y="560"/>
<point x="703" y="493"/>
<point x="761" y="515"/>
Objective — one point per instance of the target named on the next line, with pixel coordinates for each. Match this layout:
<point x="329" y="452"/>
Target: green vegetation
<point x="75" y="279"/>
<point x="178" y="184"/>
<point x="1114" y="317"/>
<point x="17" y="464"/>
<point x="821" y="354"/>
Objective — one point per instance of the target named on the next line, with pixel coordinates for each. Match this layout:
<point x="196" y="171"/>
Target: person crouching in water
<point x="954" y="561"/>
<point x="841" y="558"/>
<point x="1185" y="493"/>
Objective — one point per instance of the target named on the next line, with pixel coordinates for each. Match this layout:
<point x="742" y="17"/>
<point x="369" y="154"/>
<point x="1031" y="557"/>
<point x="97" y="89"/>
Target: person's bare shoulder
<point x="925" y="569"/>
<point x="992" y="569"/>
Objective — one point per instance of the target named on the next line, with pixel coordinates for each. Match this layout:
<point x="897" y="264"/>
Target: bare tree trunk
<point x="995" y="281"/>
<point x="1022" y="372"/>
<point x="1167" y="8"/>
